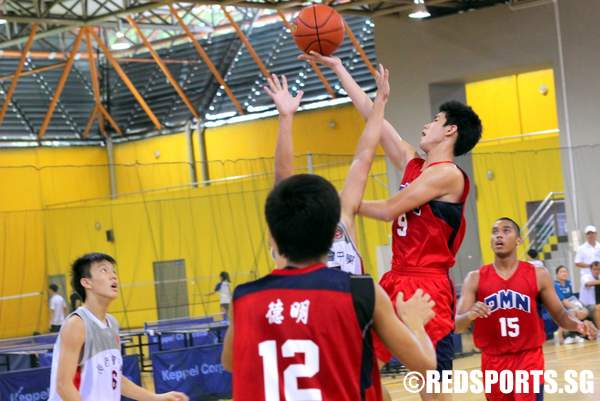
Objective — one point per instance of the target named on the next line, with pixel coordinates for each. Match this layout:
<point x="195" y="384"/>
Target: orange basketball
<point x="318" y="28"/>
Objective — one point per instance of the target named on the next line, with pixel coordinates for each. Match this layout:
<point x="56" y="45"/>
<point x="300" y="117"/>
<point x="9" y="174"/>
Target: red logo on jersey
<point x="339" y="234"/>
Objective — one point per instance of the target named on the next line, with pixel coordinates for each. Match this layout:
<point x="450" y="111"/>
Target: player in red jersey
<point x="428" y="211"/>
<point x="303" y="332"/>
<point x="502" y="300"/>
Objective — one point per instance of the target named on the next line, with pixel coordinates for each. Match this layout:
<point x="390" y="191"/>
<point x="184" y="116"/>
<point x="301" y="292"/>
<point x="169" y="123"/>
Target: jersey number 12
<point x="268" y="352"/>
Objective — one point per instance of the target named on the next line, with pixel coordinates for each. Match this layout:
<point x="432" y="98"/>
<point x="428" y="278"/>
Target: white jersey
<point x="98" y="376"/>
<point x="224" y="290"/>
<point x="343" y="253"/>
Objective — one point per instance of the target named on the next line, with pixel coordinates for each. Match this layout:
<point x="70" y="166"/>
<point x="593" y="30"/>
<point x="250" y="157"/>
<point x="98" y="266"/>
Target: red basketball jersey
<point x="428" y="236"/>
<point x="303" y="334"/>
<point x="515" y="324"/>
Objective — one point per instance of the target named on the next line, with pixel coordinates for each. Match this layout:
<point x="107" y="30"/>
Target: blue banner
<point x="195" y="371"/>
<point x="131" y="370"/>
<point x="10" y="362"/>
<point x="45" y="359"/>
<point x="29" y="385"/>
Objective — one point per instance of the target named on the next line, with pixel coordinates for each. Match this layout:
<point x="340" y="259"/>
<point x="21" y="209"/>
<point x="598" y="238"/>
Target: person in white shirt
<point x="224" y="290"/>
<point x="87" y="364"/>
<point x="589" y="293"/>
<point x="588" y="252"/>
<point x="533" y="258"/>
<point x="58" y="309"/>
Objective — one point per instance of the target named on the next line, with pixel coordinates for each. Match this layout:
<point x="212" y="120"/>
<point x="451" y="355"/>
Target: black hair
<point x="467" y="122"/>
<point x="595" y="263"/>
<point x="533" y="254"/>
<point x="53" y="287"/>
<point x="302" y="213"/>
<point x="225" y="276"/>
<point x="81" y="269"/>
<point x="514" y="223"/>
<point x="560" y="267"/>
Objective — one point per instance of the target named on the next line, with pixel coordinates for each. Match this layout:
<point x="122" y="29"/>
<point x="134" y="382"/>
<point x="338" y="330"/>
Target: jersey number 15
<point x="509" y="326"/>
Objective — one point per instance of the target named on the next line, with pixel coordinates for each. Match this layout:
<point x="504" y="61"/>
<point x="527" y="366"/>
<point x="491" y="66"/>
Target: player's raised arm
<point x="286" y="105"/>
<point x="406" y="339"/>
<point x="468" y="309"/>
<point x="356" y="180"/>
<point x="398" y="150"/>
<point x="556" y="309"/>
<point x="435" y="182"/>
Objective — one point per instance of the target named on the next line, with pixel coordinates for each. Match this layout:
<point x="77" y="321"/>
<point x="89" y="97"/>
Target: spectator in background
<point x="574" y="307"/>
<point x="224" y="290"/>
<point x="58" y="309"/>
<point x="75" y="300"/>
<point x="589" y="294"/>
<point x="587" y="252"/>
<point x="533" y="258"/>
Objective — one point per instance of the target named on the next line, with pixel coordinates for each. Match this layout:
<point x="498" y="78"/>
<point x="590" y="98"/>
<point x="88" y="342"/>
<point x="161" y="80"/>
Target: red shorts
<point x="532" y="359"/>
<point x="438" y="286"/>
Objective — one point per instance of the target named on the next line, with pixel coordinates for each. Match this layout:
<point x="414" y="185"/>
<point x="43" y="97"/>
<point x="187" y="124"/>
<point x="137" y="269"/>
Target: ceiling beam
<point x="360" y="50"/>
<point x="207" y="60"/>
<point x="246" y="43"/>
<point x="186" y="100"/>
<point x="15" y="80"/>
<point x="126" y="80"/>
<point x="61" y="84"/>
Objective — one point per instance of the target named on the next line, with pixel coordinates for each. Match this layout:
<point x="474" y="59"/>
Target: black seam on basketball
<point x="299" y="19"/>
<point x="317" y="29"/>
<point x="327" y="19"/>
<point x="308" y="46"/>
<point x="322" y="33"/>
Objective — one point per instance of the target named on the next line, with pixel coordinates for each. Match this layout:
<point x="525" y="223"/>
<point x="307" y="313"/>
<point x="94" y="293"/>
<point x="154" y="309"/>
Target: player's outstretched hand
<point x="277" y="89"/>
<point x="416" y="311"/>
<point x="479" y="310"/>
<point x="382" y="78"/>
<point x="589" y="330"/>
<point x="328" y="61"/>
<point x="172" y="396"/>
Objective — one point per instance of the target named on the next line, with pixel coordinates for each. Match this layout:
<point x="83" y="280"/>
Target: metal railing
<point x="543" y="222"/>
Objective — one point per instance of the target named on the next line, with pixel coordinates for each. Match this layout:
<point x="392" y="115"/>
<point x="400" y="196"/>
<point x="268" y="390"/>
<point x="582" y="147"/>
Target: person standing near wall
<point x="58" y="309"/>
<point x="588" y="252"/>
<point x="223" y="288"/>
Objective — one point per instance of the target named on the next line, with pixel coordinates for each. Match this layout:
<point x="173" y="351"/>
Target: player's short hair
<point x="467" y="122"/>
<point x="53" y="287"/>
<point x="224" y="276"/>
<point x="595" y="263"/>
<point x="560" y="267"/>
<point x="81" y="268"/>
<point x="302" y="213"/>
<point x="532" y="253"/>
<point x="514" y="223"/>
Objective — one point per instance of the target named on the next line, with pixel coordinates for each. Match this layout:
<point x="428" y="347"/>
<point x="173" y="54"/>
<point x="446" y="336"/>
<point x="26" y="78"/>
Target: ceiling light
<point x="121" y="44"/>
<point x="419" y="10"/>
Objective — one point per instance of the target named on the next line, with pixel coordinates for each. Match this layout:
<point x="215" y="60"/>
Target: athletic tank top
<point x="288" y="342"/>
<point x="429" y="236"/>
<point x="515" y="324"/>
<point x="98" y="375"/>
<point x="343" y="253"/>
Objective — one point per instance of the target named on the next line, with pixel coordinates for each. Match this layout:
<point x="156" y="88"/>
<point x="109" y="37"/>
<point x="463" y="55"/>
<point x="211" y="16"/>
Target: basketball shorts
<point x="532" y="359"/>
<point x="440" y="288"/>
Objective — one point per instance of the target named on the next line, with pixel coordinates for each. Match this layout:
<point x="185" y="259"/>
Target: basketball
<point x="318" y="28"/>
